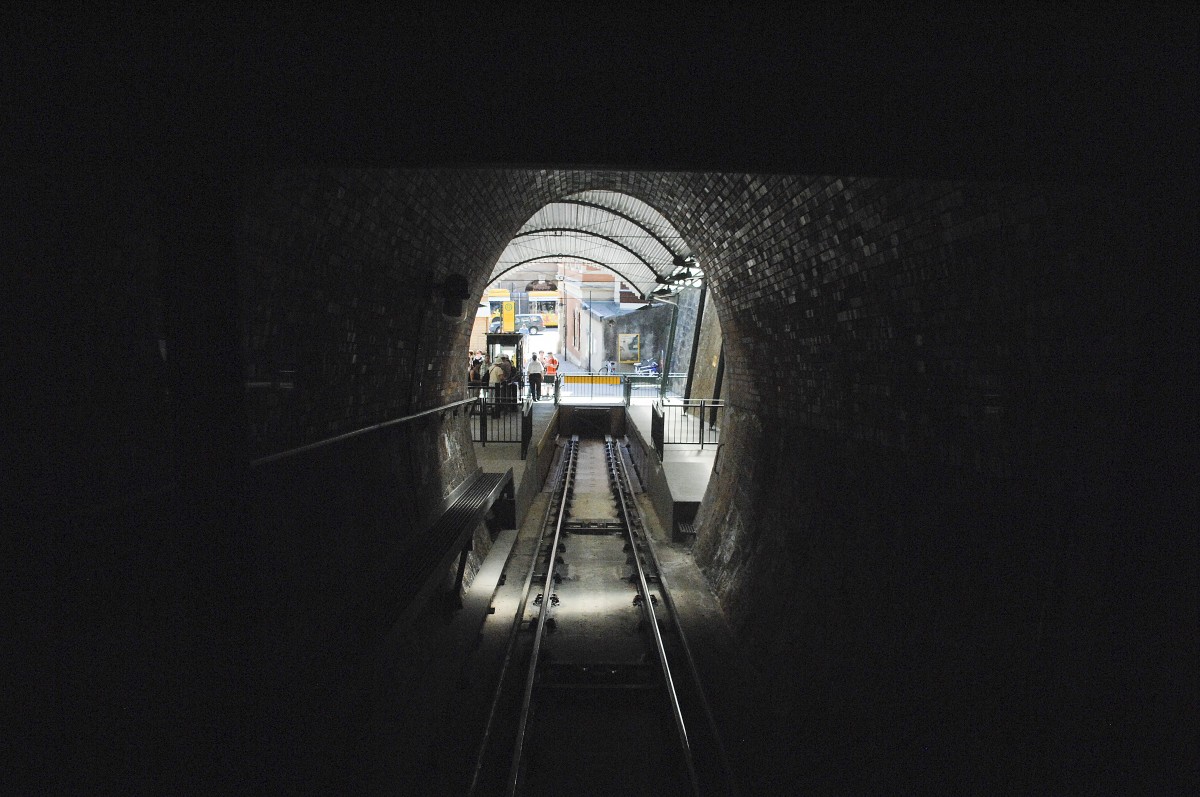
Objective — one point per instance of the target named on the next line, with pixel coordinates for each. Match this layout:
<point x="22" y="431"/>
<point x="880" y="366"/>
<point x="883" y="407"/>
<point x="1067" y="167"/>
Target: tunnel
<point x="944" y="524"/>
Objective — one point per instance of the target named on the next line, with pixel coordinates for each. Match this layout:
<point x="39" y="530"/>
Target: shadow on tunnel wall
<point x="946" y="523"/>
<point x="937" y="536"/>
<point x="923" y="522"/>
<point x="340" y="528"/>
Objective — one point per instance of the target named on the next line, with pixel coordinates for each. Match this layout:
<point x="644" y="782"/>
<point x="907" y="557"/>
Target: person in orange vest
<point x="551" y="366"/>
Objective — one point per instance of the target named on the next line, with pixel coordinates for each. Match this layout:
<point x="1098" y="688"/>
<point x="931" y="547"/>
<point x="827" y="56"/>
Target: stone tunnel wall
<point x="707" y="355"/>
<point x="651" y="324"/>
<point x="928" y="453"/>
<point x="689" y="317"/>
<point x="923" y="515"/>
<point x="937" y="500"/>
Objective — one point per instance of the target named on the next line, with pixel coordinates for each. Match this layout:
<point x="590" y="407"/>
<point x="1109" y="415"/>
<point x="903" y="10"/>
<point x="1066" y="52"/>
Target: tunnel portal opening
<point x="609" y="306"/>
<point x="893" y="349"/>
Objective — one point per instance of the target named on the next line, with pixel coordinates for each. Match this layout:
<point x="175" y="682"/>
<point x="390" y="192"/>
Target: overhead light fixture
<point x="686" y="272"/>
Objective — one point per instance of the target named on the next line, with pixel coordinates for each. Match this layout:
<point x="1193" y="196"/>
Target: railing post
<point x="526" y="427"/>
<point x="557" y="384"/>
<point x="627" y="389"/>
<point x="483" y="416"/>
<point x="700" y="423"/>
<point x="656" y="429"/>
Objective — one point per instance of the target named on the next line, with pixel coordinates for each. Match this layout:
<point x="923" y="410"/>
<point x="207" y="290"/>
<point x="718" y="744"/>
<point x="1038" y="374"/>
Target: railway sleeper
<point x="592" y="526"/>
<point x="638" y="675"/>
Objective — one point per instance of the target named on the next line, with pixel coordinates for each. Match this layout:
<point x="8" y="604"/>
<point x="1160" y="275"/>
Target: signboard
<point x="628" y="348"/>
<point x="508" y="313"/>
<point x="590" y="379"/>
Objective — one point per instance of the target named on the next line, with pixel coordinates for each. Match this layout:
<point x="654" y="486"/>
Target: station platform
<point x="676" y="483"/>
<point x="687" y="467"/>
<point x="447" y="699"/>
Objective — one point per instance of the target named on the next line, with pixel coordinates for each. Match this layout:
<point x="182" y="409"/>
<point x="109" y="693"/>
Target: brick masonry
<point x="944" y="493"/>
<point x="708" y="355"/>
<point x="927" y="458"/>
<point x="653" y="324"/>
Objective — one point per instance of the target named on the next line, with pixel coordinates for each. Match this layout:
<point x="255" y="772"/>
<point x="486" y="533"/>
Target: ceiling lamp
<point x="686" y="272"/>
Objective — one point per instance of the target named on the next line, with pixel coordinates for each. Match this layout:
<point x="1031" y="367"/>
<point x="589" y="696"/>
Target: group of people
<point x="477" y="368"/>
<point x="546" y="368"/>
<point x="502" y="374"/>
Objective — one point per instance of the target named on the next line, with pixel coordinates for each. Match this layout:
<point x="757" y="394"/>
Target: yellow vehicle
<point x="545" y="304"/>
<point x="501" y="310"/>
<point x="496" y="297"/>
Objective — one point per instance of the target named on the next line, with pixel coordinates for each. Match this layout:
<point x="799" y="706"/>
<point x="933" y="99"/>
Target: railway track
<point x="597" y="693"/>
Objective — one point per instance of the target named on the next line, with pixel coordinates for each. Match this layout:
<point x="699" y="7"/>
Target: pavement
<point x="687" y="468"/>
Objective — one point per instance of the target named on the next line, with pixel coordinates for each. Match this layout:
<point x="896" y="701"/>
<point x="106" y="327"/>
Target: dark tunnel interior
<point x="950" y="522"/>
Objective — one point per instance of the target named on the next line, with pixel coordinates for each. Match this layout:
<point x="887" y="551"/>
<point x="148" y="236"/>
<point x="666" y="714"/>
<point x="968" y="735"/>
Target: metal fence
<point x="501" y="416"/>
<point x="590" y="389"/>
<point x="676" y="385"/>
<point x="602" y="388"/>
<point x="686" y="422"/>
<point x="642" y="389"/>
<point x="641" y="464"/>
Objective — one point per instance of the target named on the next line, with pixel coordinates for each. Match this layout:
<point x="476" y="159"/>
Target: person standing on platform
<point x="535" y="378"/>
<point x="551" y="368"/>
<point x="512" y="382"/>
<point x="495" y="380"/>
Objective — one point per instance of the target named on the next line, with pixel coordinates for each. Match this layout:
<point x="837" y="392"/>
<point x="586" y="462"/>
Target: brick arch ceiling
<point x="694" y="215"/>
<point x="341" y="262"/>
<point x="607" y="227"/>
<point x="855" y="313"/>
<point x="707" y="211"/>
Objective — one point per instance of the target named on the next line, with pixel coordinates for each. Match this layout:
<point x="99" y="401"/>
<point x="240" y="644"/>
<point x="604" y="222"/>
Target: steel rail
<point x="567" y="470"/>
<point x="616" y="471"/>
<point x="514" y="774"/>
<point x="727" y="771"/>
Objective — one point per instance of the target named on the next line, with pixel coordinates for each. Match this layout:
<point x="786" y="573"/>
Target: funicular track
<point x="597" y="693"/>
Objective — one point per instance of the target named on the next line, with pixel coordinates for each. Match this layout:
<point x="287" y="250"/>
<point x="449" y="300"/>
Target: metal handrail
<point x="670" y="424"/>
<point x="691" y="402"/>
<point x="346" y="436"/>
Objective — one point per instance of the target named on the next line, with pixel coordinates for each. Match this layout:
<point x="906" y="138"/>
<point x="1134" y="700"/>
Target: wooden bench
<point x="411" y="576"/>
